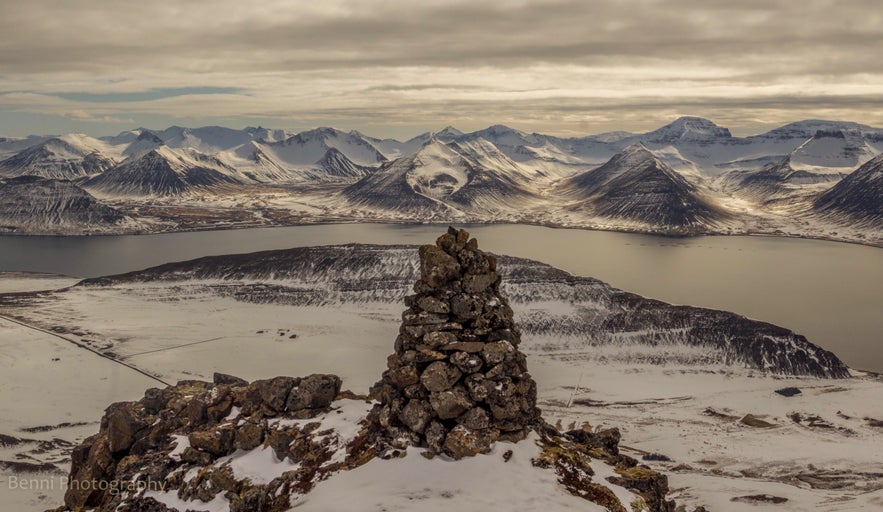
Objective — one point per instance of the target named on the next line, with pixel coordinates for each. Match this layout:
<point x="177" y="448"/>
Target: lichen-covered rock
<point x="274" y="392"/>
<point x="451" y="403"/>
<point x="440" y="376"/>
<point x="314" y="391"/>
<point x="465" y="442"/>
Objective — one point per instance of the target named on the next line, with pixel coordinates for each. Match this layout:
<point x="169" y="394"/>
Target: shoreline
<point x="550" y="225"/>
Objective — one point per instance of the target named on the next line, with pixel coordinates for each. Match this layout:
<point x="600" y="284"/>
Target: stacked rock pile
<point x="457" y="381"/>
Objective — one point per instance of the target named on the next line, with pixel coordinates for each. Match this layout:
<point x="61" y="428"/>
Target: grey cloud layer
<point x="320" y="57"/>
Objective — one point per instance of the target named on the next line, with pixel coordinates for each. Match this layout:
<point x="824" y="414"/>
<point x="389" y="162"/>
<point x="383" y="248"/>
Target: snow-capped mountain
<point x="635" y="185"/>
<point x="162" y="172"/>
<point x="464" y="175"/>
<point x="262" y="134"/>
<point x="307" y="148"/>
<point x="858" y="198"/>
<point x="840" y="150"/>
<point x="694" y="130"/>
<point x="34" y="204"/>
<point x="334" y="164"/>
<point x="392" y="149"/>
<point x="207" y="139"/>
<point x="496" y="174"/>
<point x="70" y="156"/>
<point x="12" y="145"/>
<point x="259" y="162"/>
<point x="145" y="141"/>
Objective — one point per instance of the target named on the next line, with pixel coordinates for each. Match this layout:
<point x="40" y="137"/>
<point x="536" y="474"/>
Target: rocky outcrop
<point x="148" y="445"/>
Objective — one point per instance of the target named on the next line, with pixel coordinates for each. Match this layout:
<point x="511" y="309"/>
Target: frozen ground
<point x="820" y="449"/>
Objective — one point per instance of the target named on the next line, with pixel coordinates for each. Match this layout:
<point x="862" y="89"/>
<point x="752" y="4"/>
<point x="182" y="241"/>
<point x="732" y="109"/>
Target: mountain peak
<point x="688" y="128"/>
<point x="449" y="131"/>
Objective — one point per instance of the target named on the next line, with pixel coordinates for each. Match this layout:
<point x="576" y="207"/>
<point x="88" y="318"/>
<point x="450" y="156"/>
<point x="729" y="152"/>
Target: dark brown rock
<point x="463" y="346"/>
<point x="248" y="436"/>
<point x="464" y="442"/>
<point x="416" y="415"/>
<point x="476" y="283"/>
<point x="438" y="338"/>
<point x="475" y="419"/>
<point x="122" y="426"/>
<point x="496" y="352"/>
<point x="274" y="392"/>
<point x="314" y="392"/>
<point x="436" y="266"/>
<point x="440" y="376"/>
<point x="230" y="380"/>
<point x="450" y="404"/>
<point x="466" y="362"/>
<point x="431" y="304"/>
<point x="218" y="442"/>
<point x="435" y="436"/>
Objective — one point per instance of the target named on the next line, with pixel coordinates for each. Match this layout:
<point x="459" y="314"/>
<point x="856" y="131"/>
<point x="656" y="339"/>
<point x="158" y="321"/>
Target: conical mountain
<point x="39" y="205"/>
<point x="163" y="172"/>
<point x="68" y="157"/>
<point x="635" y="185"/>
<point x="334" y="164"/>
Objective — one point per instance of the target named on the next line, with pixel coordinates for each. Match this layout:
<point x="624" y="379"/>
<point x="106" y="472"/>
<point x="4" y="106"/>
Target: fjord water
<point x="830" y="292"/>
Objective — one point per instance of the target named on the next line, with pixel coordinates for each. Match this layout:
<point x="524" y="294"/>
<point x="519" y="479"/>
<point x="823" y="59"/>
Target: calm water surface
<point x="830" y="292"/>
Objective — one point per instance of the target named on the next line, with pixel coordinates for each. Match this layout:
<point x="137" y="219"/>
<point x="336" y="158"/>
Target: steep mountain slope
<point x="636" y="186"/>
<point x="840" y="150"/>
<point x="335" y="165"/>
<point x="162" y="172"/>
<point x="34" y="204"/>
<point x="858" y="198"/>
<point x="12" y="145"/>
<point x="466" y="175"/>
<point x="257" y="161"/>
<point x="67" y="157"/>
<point x="778" y="180"/>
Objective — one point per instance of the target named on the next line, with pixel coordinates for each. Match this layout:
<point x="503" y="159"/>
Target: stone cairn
<point x="457" y="381"/>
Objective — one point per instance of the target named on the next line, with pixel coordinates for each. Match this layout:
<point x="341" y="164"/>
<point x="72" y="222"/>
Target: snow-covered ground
<point x="52" y="394"/>
<point x="829" y="460"/>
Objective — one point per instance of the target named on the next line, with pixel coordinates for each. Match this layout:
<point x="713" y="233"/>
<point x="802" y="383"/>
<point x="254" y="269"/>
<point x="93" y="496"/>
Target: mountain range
<point x="688" y="177"/>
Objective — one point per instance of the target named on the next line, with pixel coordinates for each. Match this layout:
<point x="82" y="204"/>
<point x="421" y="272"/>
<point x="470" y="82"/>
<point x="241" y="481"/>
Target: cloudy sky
<point x="396" y="68"/>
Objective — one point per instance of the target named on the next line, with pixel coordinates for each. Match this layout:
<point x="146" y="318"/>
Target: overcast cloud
<point x="395" y="68"/>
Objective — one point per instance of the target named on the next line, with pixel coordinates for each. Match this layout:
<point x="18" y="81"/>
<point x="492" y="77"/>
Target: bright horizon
<point x="397" y="69"/>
